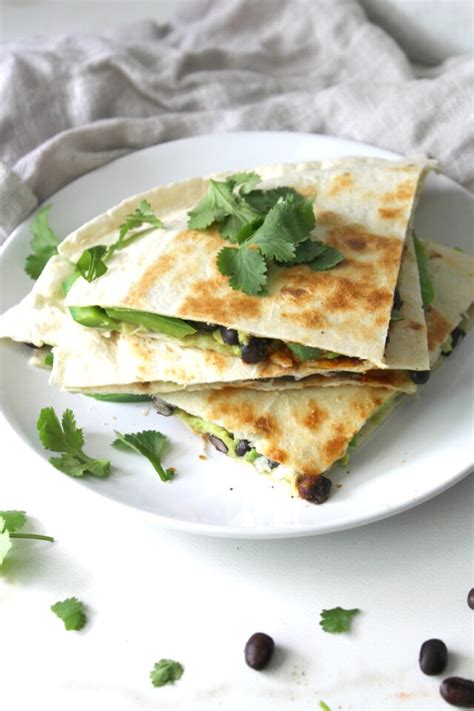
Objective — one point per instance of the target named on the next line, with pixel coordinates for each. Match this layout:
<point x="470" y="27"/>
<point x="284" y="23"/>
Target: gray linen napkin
<point x="72" y="103"/>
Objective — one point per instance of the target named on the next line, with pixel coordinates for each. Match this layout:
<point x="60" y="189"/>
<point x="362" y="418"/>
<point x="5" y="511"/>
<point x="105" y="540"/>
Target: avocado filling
<point x="227" y="341"/>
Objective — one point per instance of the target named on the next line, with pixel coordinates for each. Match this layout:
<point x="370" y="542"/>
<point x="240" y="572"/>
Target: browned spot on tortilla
<point x="335" y="447"/>
<point x="314" y="416"/>
<point x="390" y="213"/>
<point x="403" y="192"/>
<point x="205" y="304"/>
<point x="328" y="217"/>
<point x="339" y="183"/>
<point x="137" y="294"/>
<point x="439" y="328"/>
<point x="295" y="292"/>
<point x="414" y="326"/>
<point x="308" y="318"/>
<point x="306" y="190"/>
<point x="277" y="455"/>
<point x="267" y="424"/>
<point x="383" y="252"/>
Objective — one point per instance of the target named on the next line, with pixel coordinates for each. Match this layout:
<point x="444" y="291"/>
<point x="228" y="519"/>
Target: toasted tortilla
<point x="364" y="207"/>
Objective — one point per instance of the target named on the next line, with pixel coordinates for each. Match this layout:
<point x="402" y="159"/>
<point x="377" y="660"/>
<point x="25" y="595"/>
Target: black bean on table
<point x="259" y="650"/>
<point x="470" y="598"/>
<point x="419" y="377"/>
<point x="229" y="336"/>
<point x="458" y="692"/>
<point x="218" y="443"/>
<point x="433" y="657"/>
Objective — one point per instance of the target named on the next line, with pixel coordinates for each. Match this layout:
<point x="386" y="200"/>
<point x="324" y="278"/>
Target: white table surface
<point x="152" y="593"/>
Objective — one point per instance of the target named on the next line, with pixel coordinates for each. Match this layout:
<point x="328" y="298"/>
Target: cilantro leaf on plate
<point x="90" y="264"/>
<point x="68" y="439"/>
<point x="337" y="619"/>
<point x="247" y="269"/>
<point x="150" y="444"/>
<point x="71" y="612"/>
<point x="166" y="671"/>
<point x="426" y="282"/>
<point x="5" y="542"/>
<point x="13" y="520"/>
<point x="44" y="244"/>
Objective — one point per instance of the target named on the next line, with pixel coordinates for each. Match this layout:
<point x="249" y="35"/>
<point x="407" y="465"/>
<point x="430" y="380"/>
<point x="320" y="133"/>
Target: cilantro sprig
<point x="337" y="619"/>
<point x="65" y="437"/>
<point x="166" y="671"/>
<point x="44" y="244"/>
<point x="148" y="443"/>
<point x="92" y="263"/>
<point x="10" y="522"/>
<point x="268" y="227"/>
<point x="71" y="612"/>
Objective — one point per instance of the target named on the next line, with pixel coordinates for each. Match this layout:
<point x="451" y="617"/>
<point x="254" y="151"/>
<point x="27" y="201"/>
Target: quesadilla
<point x="297" y="436"/>
<point x="169" y="284"/>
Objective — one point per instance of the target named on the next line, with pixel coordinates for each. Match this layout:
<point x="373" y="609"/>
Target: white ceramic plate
<point x="424" y="448"/>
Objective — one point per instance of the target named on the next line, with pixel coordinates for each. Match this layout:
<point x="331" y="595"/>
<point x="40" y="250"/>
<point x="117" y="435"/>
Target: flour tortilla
<point x="363" y="206"/>
<point x="308" y="430"/>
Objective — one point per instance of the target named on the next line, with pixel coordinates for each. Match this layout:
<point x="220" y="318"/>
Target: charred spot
<point x="295" y="292"/>
<point x="439" y="328"/>
<point x="405" y="190"/>
<point x="266" y="424"/>
<point x="415" y="326"/>
<point x="314" y="416"/>
<point x="328" y="217"/>
<point x="378" y="299"/>
<point x="277" y="455"/>
<point x="390" y="213"/>
<point x="205" y="303"/>
<point x="314" y="488"/>
<point x="339" y="183"/>
<point x="335" y="447"/>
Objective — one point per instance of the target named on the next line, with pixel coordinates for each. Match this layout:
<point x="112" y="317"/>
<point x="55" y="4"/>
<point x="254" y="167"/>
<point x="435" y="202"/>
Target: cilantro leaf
<point x="221" y="205"/>
<point x="327" y="259"/>
<point x="13" y="520"/>
<point x="337" y="619"/>
<point x="68" y="439"/>
<point x="304" y="353"/>
<point x="166" y="671"/>
<point x="426" y="282"/>
<point x="90" y="264"/>
<point x="71" y="612"/>
<point x="43" y="245"/>
<point x="287" y="224"/>
<point x="150" y="444"/>
<point x="323" y="706"/>
<point x="244" y="181"/>
<point x="5" y="542"/>
<point x="264" y="200"/>
<point x="307" y="251"/>
<point x="142" y="215"/>
<point x="49" y="360"/>
<point x="246" y="268"/>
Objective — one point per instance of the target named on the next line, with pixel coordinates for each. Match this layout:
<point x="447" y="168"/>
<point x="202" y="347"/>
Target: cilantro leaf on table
<point x="44" y="244"/>
<point x="304" y="353"/>
<point x="337" y="619"/>
<point x="10" y="521"/>
<point x="68" y="439"/>
<point x="166" y="671"/>
<point x="247" y="269"/>
<point x="150" y="444"/>
<point x="287" y="224"/>
<point x="71" y="612"/>
<point x="426" y="281"/>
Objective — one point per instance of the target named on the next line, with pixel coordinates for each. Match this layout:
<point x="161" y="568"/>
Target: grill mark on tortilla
<point x="328" y="217"/>
<point x="314" y="416"/>
<point x="335" y="447"/>
<point x="277" y="455"/>
<point x="267" y="424"/>
<point x="340" y="182"/>
<point x="138" y="293"/>
<point x="391" y="213"/>
<point x="403" y="192"/>
<point x="204" y="304"/>
<point x="415" y="326"/>
<point x="306" y="190"/>
<point x="439" y="328"/>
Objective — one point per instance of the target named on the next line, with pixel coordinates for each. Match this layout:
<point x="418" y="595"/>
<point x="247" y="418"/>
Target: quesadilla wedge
<point x="167" y="281"/>
<point x="297" y="436"/>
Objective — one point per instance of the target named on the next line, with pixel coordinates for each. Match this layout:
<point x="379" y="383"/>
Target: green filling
<point x="426" y="282"/>
<point x="118" y="397"/>
<point x="200" y="426"/>
<point x="152" y="322"/>
<point x="372" y="423"/>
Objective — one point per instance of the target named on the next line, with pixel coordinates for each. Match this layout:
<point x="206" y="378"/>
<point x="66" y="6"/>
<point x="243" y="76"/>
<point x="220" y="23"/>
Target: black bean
<point x="259" y="650"/>
<point x="272" y="464"/>
<point x="229" y="336"/>
<point x="419" y="377"/>
<point x="397" y="299"/>
<point x="458" y="692"/>
<point x="202" y="326"/>
<point x="162" y="407"/>
<point x="218" y="443"/>
<point x="287" y="378"/>
<point x="456" y="336"/>
<point x="433" y="657"/>
<point x="254" y="351"/>
<point x="470" y="598"/>
<point x="314" y="488"/>
<point x="243" y="447"/>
